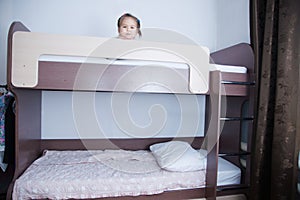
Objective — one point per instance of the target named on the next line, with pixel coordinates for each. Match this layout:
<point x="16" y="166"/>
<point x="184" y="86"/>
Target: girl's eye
<point x="133" y="27"/>
<point x="123" y="26"/>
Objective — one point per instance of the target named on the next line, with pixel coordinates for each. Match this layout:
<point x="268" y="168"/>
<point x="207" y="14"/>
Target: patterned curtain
<point x="275" y="35"/>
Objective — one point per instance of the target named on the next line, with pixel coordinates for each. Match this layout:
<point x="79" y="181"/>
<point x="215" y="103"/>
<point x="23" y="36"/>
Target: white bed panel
<point x="77" y="174"/>
<point x="229" y="68"/>
<point x="176" y="65"/>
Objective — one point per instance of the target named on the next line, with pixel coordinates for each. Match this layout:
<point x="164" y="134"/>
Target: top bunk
<point x="42" y="61"/>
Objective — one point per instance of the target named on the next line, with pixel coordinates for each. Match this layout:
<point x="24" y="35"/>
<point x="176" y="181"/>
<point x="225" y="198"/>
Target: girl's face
<point x="128" y="29"/>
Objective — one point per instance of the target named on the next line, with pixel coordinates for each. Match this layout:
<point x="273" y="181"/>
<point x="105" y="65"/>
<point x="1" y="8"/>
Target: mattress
<point x="95" y="174"/>
<point x="77" y="59"/>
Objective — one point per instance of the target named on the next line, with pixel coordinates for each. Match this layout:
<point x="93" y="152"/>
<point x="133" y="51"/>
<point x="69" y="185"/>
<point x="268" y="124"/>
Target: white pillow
<point x="178" y="156"/>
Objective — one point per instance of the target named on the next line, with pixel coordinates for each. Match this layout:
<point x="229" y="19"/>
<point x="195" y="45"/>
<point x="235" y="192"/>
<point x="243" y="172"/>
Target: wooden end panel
<point x="102" y="144"/>
<point x="15" y="26"/>
<point x="28" y="128"/>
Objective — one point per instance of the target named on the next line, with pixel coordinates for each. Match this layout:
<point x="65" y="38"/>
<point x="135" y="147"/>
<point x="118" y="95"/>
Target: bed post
<point x="213" y="134"/>
<point x="28" y="117"/>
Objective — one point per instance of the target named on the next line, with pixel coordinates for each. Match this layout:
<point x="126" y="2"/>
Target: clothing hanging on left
<point x="6" y="134"/>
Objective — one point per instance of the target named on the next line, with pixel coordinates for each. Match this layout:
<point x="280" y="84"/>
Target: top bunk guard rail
<point x="28" y="47"/>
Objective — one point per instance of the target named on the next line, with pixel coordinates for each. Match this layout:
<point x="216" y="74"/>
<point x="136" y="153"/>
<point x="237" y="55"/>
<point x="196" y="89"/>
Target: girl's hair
<point x="135" y="18"/>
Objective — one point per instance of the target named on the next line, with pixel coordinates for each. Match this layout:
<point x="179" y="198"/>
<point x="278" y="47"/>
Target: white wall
<point x="232" y="26"/>
<point x="121" y="115"/>
<point x="213" y="23"/>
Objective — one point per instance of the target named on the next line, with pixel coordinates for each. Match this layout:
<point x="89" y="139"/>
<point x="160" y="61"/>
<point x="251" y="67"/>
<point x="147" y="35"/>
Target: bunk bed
<point x="35" y="65"/>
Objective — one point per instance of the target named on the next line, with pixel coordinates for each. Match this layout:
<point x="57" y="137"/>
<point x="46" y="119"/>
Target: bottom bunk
<point x="82" y="174"/>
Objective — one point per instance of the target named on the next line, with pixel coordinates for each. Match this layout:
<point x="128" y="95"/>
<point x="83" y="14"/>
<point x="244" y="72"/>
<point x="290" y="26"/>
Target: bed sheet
<point x="92" y="174"/>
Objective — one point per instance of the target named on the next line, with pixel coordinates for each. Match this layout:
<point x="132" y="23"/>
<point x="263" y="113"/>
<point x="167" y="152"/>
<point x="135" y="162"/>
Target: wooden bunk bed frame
<point x="29" y="145"/>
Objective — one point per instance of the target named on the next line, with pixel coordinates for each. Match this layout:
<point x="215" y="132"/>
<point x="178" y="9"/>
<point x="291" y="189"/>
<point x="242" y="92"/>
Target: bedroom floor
<point x="230" y="197"/>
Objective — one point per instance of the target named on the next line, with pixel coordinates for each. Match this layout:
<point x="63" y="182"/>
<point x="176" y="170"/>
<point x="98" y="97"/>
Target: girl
<point x="129" y="27"/>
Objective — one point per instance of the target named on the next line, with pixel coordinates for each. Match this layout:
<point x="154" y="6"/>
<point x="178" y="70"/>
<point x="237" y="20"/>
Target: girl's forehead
<point x="129" y="20"/>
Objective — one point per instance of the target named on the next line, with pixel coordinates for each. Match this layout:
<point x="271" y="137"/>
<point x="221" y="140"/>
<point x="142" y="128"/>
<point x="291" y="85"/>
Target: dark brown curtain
<point x="275" y="38"/>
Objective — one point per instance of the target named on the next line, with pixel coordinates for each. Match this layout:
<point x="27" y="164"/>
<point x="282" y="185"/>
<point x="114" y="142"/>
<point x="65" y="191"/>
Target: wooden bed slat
<point x="118" y="78"/>
<point x="101" y="144"/>
<point x="64" y="76"/>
